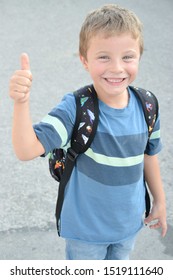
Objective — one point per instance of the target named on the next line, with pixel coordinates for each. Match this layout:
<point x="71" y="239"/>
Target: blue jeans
<point x="78" y="250"/>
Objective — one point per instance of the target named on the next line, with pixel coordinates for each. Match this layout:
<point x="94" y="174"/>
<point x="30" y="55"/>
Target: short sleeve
<point x="54" y="130"/>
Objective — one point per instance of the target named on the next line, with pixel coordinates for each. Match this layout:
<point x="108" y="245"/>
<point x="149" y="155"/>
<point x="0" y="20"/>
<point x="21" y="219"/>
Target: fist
<point x="20" y="82"/>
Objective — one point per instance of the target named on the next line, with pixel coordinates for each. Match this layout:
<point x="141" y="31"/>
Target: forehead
<point x="123" y="41"/>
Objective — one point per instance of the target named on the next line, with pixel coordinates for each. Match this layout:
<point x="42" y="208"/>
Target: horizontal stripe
<point x="58" y="126"/>
<point x="108" y="175"/>
<point x="155" y="135"/>
<point x="119" y="146"/>
<point x="115" y="161"/>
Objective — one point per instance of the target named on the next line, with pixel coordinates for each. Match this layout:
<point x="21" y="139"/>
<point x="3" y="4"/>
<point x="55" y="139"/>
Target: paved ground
<point x="48" y="32"/>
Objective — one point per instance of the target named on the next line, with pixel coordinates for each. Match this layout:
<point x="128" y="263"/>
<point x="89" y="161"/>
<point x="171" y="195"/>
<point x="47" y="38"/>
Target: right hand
<point x="20" y="82"/>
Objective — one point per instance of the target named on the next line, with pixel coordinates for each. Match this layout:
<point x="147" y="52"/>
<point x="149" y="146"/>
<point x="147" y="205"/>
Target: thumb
<point x="24" y="60"/>
<point x="148" y="219"/>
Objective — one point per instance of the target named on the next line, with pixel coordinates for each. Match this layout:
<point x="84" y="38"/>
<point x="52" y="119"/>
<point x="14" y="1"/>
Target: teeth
<point x="115" y="80"/>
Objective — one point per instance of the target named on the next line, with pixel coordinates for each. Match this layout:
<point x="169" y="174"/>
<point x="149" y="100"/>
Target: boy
<point x="105" y="197"/>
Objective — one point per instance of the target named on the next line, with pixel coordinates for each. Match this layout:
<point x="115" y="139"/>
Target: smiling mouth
<point x="115" y="80"/>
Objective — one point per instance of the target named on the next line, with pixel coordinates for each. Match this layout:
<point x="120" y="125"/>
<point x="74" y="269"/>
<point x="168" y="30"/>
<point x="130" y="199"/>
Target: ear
<point x="84" y="62"/>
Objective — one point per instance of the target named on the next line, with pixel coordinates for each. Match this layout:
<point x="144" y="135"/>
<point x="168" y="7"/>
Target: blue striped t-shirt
<point x="105" y="197"/>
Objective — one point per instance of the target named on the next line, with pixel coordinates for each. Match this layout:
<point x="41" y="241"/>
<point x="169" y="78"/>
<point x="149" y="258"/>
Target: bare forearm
<point x="153" y="178"/>
<point x="25" y="142"/>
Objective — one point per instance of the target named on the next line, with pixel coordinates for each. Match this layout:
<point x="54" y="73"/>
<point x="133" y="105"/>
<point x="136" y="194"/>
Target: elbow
<point x="22" y="156"/>
<point x="28" y="152"/>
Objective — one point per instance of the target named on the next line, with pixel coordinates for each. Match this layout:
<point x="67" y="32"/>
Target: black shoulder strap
<point x="150" y="107"/>
<point x="149" y="104"/>
<point x="87" y="115"/>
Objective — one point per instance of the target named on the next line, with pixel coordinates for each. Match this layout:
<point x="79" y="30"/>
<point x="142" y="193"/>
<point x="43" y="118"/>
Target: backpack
<point x="61" y="162"/>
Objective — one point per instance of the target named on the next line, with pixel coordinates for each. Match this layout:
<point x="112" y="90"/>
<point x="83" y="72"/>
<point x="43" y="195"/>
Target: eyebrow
<point x="129" y="51"/>
<point x="107" y="52"/>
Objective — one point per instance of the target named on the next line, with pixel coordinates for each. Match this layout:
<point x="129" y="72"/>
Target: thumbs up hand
<point x="20" y="82"/>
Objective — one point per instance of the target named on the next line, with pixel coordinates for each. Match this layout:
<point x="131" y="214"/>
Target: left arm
<point x="154" y="181"/>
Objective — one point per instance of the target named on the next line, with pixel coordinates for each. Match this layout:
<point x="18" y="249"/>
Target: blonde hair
<point x="109" y="20"/>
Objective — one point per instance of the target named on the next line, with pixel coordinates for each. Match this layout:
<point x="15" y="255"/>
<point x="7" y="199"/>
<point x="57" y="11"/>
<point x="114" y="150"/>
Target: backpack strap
<point x="87" y="115"/>
<point x="150" y="108"/>
<point x="149" y="104"/>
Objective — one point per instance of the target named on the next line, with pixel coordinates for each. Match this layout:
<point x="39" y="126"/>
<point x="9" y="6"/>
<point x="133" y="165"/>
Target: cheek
<point x="96" y="69"/>
<point x="133" y="68"/>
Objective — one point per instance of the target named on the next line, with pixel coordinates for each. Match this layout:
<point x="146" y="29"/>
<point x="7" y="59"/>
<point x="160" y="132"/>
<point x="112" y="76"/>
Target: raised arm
<point x="25" y="141"/>
<point x="153" y="178"/>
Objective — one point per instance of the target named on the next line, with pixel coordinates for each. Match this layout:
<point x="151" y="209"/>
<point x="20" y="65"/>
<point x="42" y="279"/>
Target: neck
<point x="117" y="101"/>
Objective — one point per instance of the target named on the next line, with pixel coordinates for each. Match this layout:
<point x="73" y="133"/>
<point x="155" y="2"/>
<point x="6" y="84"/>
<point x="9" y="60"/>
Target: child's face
<point x="112" y="63"/>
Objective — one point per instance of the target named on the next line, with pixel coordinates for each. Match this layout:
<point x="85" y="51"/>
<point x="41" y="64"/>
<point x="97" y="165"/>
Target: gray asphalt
<point x="48" y="32"/>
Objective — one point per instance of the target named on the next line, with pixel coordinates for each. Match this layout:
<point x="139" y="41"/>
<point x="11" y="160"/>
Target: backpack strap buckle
<point x="71" y="154"/>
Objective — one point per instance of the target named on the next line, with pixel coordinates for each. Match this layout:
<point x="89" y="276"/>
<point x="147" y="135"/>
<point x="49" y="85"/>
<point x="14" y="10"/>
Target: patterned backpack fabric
<point x="150" y="106"/>
<point x="61" y="162"/>
<point x="87" y="114"/>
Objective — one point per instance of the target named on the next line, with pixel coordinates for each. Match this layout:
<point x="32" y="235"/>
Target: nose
<point x="116" y="66"/>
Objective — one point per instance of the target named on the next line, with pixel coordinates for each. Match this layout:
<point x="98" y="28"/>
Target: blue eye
<point x="127" y="57"/>
<point x="103" y="57"/>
